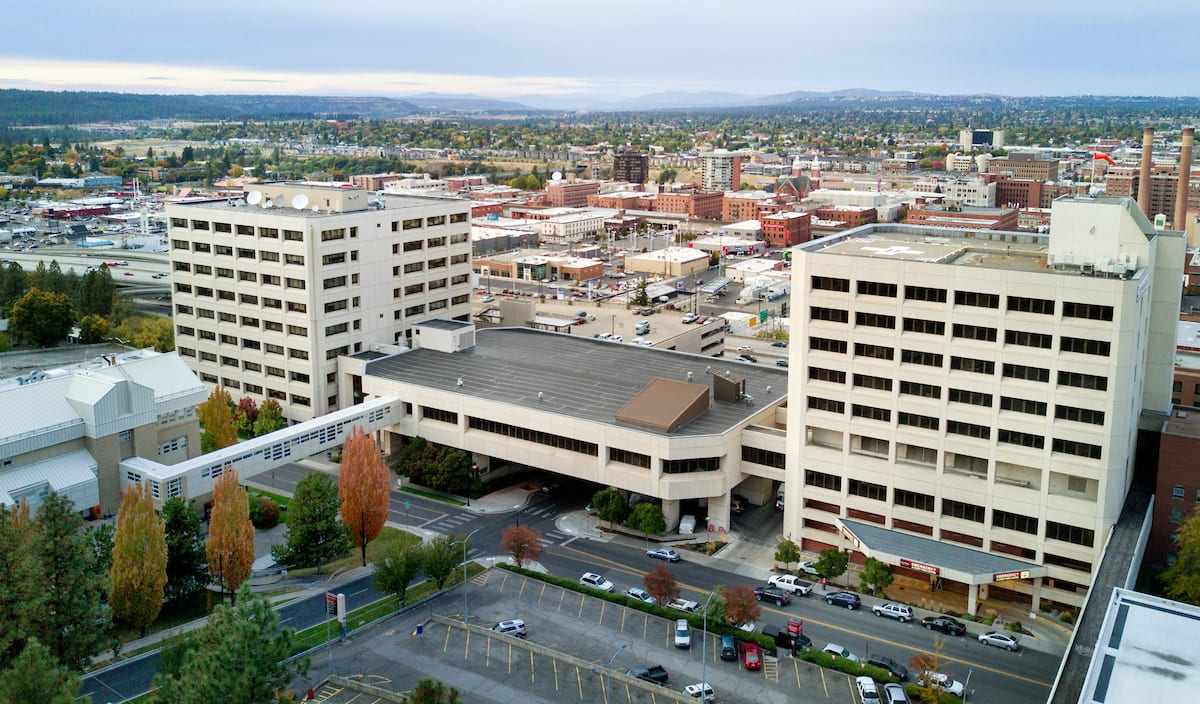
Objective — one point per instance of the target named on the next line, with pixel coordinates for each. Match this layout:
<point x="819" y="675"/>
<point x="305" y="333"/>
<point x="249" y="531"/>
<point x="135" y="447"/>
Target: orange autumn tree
<point x="364" y="485"/>
<point x="139" y="559"/>
<point x="230" y="547"/>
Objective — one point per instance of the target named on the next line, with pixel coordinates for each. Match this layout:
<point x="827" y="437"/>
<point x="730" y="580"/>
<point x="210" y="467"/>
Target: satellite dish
<point x="299" y="201"/>
<point x="315" y="208"/>
<point x="268" y="203"/>
<point x="556" y="176"/>
<point x="254" y="197"/>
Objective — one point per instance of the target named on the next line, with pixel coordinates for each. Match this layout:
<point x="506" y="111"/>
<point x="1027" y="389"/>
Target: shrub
<point x="264" y="512"/>
<point x="1014" y="626"/>
<point x="1067" y="617"/>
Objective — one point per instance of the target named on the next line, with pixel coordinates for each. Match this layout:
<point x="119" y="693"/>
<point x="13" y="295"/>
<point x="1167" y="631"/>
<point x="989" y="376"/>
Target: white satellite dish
<point x="254" y="197"/>
<point x="315" y="208"/>
<point x="299" y="201"/>
<point x="268" y="203"/>
<point x="556" y="176"/>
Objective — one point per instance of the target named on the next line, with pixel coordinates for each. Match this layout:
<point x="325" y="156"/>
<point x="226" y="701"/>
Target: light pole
<point x="704" y="648"/>
<point x="614" y="655"/>
<point x="966" y="684"/>
<point x="465" y="542"/>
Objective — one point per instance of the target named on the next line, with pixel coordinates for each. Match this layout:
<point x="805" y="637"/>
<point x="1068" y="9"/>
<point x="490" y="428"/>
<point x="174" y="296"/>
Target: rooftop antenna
<point x="299" y="201"/>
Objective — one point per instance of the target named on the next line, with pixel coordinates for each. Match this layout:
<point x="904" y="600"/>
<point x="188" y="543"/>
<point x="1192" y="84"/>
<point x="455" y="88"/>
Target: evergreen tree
<point x="230" y="546"/>
<point x="365" y="487"/>
<point x="187" y="568"/>
<point x="21" y="592"/>
<point x="314" y="533"/>
<point x="36" y="678"/>
<point x="71" y="623"/>
<point x="139" y="569"/>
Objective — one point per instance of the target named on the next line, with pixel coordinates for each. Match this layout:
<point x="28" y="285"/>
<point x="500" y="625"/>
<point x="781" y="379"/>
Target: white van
<point x="687" y="525"/>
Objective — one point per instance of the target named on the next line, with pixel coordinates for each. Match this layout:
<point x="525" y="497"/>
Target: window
<point x="830" y="315"/>
<point x="973" y="430"/>
<point x="182" y="266"/>
<point x="204" y="269"/>
<point x="208" y="335"/>
<point x="870" y="412"/>
<point x="438" y="263"/>
<point x="873" y="382"/>
<point x="201" y="247"/>
<point x="226" y="295"/>
<point x="301" y="400"/>
<point x="245" y="230"/>
<point x="876" y="288"/>
<point x="274" y="371"/>
<point x="414" y="267"/>
<point x="871" y="446"/>
<point x="251" y="344"/>
<point x="831" y="375"/>
<point x="185" y="331"/>
<point x="915" y="454"/>
<point x="823" y="480"/>
<point x="230" y="361"/>
<point x="978" y="300"/>
<point x="458" y="217"/>
<point x="183" y="310"/>
<point x="436" y="242"/>
<point x="276" y="394"/>
<point x="273" y="349"/>
<point x="875" y="320"/>
<point x="295" y="307"/>
<point x="270" y="233"/>
<point x="778" y="460"/>
<point x="223" y="273"/>
<point x="912" y="388"/>
<point x="876" y="492"/>
<point x="271" y="280"/>
<point x="928" y="359"/>
<point x="1080" y="345"/>
<point x="927" y="327"/>
<point x="223" y="250"/>
<point x="336" y="329"/>
<point x="200" y="225"/>
<point x="435" y="220"/>
<point x="973" y="366"/>
<point x="1177" y="492"/>
<point x="1176" y="516"/>
<point x="414" y="246"/>
<point x="861" y="349"/>
<point x="412" y="224"/>
<point x="299" y="377"/>
<point x="269" y="256"/>
<point x="1020" y="405"/>
<point x="179" y="244"/>
<point x="1020" y="371"/>
<point x="337" y="258"/>
<point x="825" y="404"/>
<point x="825" y="344"/>
<point x="204" y="291"/>
<point x="974" y="332"/>
<point x="297" y="354"/>
<point x="1041" y="306"/>
<point x="1087" y="311"/>
<point x="827" y="283"/>
<point x="1013" y="437"/>
<point x="247" y="276"/>
<point x="1079" y="415"/>
<point x="919" y="421"/>
<point x="974" y="398"/>
<point x="183" y="288"/>
<point x="334" y="306"/>
<point x="629" y="457"/>
<point x="1028" y="339"/>
<point x="297" y="330"/>
<point x="273" y="325"/>
<point x="963" y="510"/>
<point x="228" y="339"/>
<point x="1014" y="521"/>
<point x="338" y="234"/>
<point x="293" y="259"/>
<point x="222" y="227"/>
<point x="1083" y="381"/>
<point x="1069" y="534"/>
<point x="924" y="293"/>
<point x="208" y="357"/>
<point x="912" y="499"/>
<point x="293" y="236"/>
<point x="1079" y="449"/>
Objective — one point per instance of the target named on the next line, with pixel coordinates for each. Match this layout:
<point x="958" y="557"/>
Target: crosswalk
<point x="457" y="524"/>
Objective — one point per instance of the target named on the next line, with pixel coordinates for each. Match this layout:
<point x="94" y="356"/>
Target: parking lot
<point x="574" y="644"/>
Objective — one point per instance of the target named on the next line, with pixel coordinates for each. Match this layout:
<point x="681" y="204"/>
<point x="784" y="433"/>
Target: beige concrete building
<point x="670" y="262"/>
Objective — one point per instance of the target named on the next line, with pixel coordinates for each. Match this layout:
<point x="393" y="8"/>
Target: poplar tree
<point x="230" y="547"/>
<point x="217" y="419"/>
<point x="139" y="564"/>
<point x="364" y="486"/>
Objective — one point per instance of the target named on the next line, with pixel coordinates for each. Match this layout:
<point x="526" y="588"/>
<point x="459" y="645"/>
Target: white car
<point x="745" y="348"/>
<point x="641" y="595"/>
<point x="700" y="690"/>
<point x="838" y="651"/>
<point x="790" y="583"/>
<point x="683" y="633"/>
<point x="592" y="579"/>
<point x="690" y="318"/>
<point x="900" y="612"/>
<point x="866" y="690"/>
<point x="808" y="567"/>
<point x="1000" y="640"/>
<point x="942" y="681"/>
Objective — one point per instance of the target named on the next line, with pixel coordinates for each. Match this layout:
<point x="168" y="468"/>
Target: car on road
<point x="779" y="343"/>
<point x="751" y="656"/>
<point x="901" y="612"/>
<point x="683" y="633"/>
<point x="867" y="691"/>
<point x="942" y="681"/>
<point x="883" y="662"/>
<point x="747" y="358"/>
<point x="1000" y="640"/>
<point x="848" y="599"/>
<point x="129" y="273"/>
<point x="808" y="567"/>
<point x="781" y="363"/>
<point x="945" y="624"/>
<point x="592" y="579"/>
<point x="838" y="651"/>
<point x="575" y="293"/>
<point x="512" y="627"/>
<point x="159" y="275"/>
<point x="487" y="299"/>
<point x="778" y="596"/>
<point x="790" y="583"/>
<point x="894" y="694"/>
<point x="641" y="595"/>
<point x="745" y="348"/>
<point x="683" y="605"/>
<point x="700" y="690"/>
<point x="663" y="554"/>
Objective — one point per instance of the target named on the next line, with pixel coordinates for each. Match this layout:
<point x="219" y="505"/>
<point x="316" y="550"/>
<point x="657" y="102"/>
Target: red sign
<point x="795" y="627"/>
<point x="330" y="603"/>
<point x="1015" y="574"/>
<point x="920" y="567"/>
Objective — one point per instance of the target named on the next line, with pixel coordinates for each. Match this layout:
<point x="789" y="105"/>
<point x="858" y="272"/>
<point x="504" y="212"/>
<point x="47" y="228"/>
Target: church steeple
<point x="814" y="175"/>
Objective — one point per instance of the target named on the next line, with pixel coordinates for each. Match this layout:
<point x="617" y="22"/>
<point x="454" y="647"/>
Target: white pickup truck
<point x="683" y="605"/>
<point x="790" y="583"/>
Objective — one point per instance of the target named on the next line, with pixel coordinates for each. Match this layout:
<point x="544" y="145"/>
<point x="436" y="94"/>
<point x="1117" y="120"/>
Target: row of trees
<point x="437" y="467"/>
<point x="223" y="422"/>
<point x="646" y="516"/>
<point x="734" y="606"/>
<point x="876" y="575"/>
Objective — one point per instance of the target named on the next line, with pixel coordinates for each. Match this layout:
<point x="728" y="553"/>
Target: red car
<point x="751" y="656"/>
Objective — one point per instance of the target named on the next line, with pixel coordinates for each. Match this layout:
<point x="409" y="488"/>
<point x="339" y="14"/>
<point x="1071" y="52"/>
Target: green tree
<point x="14" y="285"/>
<point x="452" y="471"/>
<point x="270" y="418"/>
<point x="414" y="459"/>
<point x="440" y="557"/>
<point x="187" y="565"/>
<point x="21" y="593"/>
<point x="832" y="563"/>
<point x="648" y="517"/>
<point x="431" y="691"/>
<point x="245" y="416"/>
<point x="240" y="655"/>
<point x="876" y="577"/>
<point x="1182" y="580"/>
<point x="716" y="605"/>
<point x="36" y="678"/>
<point x="398" y="568"/>
<point x="43" y="318"/>
<point x="99" y="539"/>
<point x="139" y="570"/>
<point x="314" y="532"/>
<point x="610" y="505"/>
<point x="787" y="552"/>
<point x="93" y="329"/>
<point x="96" y="292"/>
<point x="216" y="421"/>
<point x="73" y="607"/>
<point x="639" y="297"/>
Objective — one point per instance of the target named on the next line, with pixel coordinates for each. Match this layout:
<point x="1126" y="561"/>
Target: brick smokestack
<point x="1144" y="174"/>
<point x="1185" y="177"/>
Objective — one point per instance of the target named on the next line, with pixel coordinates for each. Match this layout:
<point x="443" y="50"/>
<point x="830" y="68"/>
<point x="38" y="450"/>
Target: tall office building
<point x="720" y="170"/>
<point x="269" y="290"/>
<point x="964" y="405"/>
<point x="631" y="167"/>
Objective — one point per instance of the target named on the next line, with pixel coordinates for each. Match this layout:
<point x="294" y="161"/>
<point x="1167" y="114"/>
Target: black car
<point x="898" y="671"/>
<point x="747" y="358"/>
<point x="848" y="599"/>
<point x="945" y="624"/>
<point x="768" y="594"/>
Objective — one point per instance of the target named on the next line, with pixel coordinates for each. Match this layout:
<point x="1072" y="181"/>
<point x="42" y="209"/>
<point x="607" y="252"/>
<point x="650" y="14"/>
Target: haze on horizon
<point x="605" y="51"/>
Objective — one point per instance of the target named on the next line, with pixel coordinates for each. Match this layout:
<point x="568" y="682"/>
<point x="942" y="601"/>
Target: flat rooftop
<point x="580" y="377"/>
<point x="1022" y="251"/>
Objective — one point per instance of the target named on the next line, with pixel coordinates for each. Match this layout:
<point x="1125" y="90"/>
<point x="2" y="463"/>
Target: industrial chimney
<point x="1144" y="174"/>
<point x="1185" y="178"/>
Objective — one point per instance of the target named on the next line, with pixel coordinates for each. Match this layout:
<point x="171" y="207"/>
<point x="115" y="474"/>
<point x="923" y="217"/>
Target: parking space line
<point x="645" y="624"/>
<point x="796" y="664"/>
<point x="824" y="684"/>
<point x="582" y="600"/>
<point x="850" y="686"/>
<point x="531" y="678"/>
<point x="522" y="590"/>
<point x="504" y="581"/>
<point x="554" y="666"/>
<point x="446" y="645"/>
<point x="628" y="694"/>
<point x="510" y="658"/>
<point x="467" y="646"/>
<point x="604" y="688"/>
<point x="601" y="622"/>
<point x="580" y="681"/>
<point x="624" y="613"/>
<point x="562" y="594"/>
<point x="487" y="655"/>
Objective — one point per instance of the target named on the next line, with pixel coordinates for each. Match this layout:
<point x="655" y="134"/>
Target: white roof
<point x="72" y="474"/>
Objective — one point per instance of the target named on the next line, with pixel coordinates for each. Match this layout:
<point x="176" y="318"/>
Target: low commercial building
<point x="670" y="262"/>
<point x="786" y="229"/>
<point x="955" y="215"/>
<point x="574" y="227"/>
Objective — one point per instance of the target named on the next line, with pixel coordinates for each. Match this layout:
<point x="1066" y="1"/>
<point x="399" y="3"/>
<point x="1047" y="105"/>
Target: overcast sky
<point x="617" y="48"/>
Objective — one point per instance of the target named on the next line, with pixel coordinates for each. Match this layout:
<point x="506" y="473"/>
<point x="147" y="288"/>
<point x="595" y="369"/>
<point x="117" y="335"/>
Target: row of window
<point x="962" y="331"/>
<point x="272" y="233"/>
<point x="1017" y="304"/>
<point x="296" y="399"/>
<point x="247" y="321"/>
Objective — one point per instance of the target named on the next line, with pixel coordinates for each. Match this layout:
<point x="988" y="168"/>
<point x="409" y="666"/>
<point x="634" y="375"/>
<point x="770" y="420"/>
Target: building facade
<point x="978" y="392"/>
<point x="720" y="170"/>
<point x="786" y="229"/>
<point x="1024" y="165"/>
<point x="266" y="295"/>
<point x="631" y="167"/>
<point x="570" y="194"/>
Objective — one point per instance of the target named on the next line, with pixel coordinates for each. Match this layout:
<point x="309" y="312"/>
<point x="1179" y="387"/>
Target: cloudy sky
<point x="608" y="48"/>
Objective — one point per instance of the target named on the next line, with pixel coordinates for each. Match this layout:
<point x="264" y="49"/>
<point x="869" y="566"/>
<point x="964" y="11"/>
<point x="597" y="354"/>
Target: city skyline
<point x="565" y="54"/>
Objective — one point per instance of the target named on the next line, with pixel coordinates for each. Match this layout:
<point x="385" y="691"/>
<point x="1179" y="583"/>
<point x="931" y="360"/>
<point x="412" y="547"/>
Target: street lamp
<point x="465" y="542"/>
<point x="614" y="655"/>
<point x="704" y="647"/>
<point x="966" y="684"/>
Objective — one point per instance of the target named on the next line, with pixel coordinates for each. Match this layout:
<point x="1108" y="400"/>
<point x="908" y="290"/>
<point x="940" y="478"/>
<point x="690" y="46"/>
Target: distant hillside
<point x="37" y="107"/>
<point x="446" y="102"/>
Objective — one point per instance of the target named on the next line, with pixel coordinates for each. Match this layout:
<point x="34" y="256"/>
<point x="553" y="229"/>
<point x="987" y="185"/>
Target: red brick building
<point x="482" y="210"/>
<point x="786" y="229"/>
<point x="742" y="205"/>
<point x="622" y="201"/>
<point x="1018" y="192"/>
<point x="570" y="194"/>
<point x="967" y="217"/>
<point x="706" y="206"/>
<point x="847" y="215"/>
<point x="1177" y="489"/>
